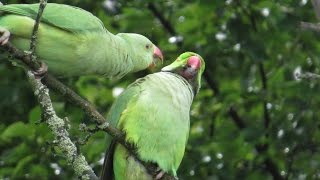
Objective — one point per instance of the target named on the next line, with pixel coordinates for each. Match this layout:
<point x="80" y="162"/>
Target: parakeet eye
<point x="185" y="67"/>
<point x="148" y="46"/>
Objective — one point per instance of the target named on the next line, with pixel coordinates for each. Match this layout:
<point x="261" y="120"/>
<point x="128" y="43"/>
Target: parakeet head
<point x="190" y="66"/>
<point x="144" y="53"/>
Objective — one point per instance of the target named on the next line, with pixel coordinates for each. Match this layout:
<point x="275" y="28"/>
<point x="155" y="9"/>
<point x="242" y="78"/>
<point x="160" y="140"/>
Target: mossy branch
<point x="58" y="129"/>
<point x="56" y="124"/>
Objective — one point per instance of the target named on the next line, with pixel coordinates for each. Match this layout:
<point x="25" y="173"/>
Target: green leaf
<point x="35" y="115"/>
<point x="22" y="166"/>
<point x="17" y="130"/>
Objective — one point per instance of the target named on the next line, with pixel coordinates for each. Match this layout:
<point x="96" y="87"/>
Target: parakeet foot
<point x="5" y="36"/>
<point x="159" y="175"/>
<point x="39" y="73"/>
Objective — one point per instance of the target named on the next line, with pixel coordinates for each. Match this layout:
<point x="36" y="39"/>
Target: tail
<point x="107" y="169"/>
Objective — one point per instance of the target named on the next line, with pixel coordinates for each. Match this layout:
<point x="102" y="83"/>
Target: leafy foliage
<point x="251" y="120"/>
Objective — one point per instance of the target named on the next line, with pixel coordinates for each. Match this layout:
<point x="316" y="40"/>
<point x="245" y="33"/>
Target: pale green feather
<point x="130" y="94"/>
<point x="159" y="133"/>
<point x="73" y="42"/>
<point x="127" y="168"/>
<point x="62" y="16"/>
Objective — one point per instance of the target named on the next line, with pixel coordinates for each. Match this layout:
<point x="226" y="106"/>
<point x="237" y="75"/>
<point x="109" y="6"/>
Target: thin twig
<point x="310" y="26"/>
<point x="307" y="75"/>
<point x="236" y="118"/>
<point x="165" y="23"/>
<point x="264" y="89"/>
<point x="213" y="84"/>
<point x="273" y="169"/>
<point x="33" y="42"/>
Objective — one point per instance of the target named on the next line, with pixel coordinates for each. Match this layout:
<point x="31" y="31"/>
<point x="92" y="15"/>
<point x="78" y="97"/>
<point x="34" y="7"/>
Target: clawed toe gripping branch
<point x="5" y="36"/>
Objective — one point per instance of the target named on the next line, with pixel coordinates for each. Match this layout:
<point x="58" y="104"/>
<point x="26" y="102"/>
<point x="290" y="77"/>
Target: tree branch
<point x="264" y="89"/>
<point x="236" y="118"/>
<point x="211" y="82"/>
<point x="316" y="7"/>
<point x="310" y="26"/>
<point x="273" y="169"/>
<point x="307" y="75"/>
<point x="68" y="93"/>
<point x="270" y="166"/>
<point x="313" y="26"/>
<point x="166" y="24"/>
<point x="61" y="135"/>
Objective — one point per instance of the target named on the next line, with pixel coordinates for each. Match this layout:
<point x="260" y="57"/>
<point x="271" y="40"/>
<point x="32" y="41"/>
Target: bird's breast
<point x="158" y="121"/>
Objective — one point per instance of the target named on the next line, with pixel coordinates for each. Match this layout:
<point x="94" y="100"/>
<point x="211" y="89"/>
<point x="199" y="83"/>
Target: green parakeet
<point x="73" y="42"/>
<point x="153" y="112"/>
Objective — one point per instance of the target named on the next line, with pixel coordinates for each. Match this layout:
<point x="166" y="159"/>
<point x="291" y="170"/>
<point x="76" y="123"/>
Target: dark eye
<point x="185" y="66"/>
<point x="148" y="46"/>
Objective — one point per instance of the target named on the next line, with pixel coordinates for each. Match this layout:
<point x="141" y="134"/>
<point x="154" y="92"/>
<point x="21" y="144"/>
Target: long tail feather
<point x="107" y="171"/>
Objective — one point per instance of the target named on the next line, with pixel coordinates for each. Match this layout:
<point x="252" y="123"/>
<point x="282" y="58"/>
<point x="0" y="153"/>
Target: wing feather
<point x="62" y="16"/>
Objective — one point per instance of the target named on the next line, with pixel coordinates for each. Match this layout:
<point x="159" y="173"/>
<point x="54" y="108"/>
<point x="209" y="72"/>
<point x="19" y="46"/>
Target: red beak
<point x="157" y="57"/>
<point x="157" y="53"/>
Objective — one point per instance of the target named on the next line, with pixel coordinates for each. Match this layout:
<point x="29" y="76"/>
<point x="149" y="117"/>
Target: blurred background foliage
<point x="251" y="120"/>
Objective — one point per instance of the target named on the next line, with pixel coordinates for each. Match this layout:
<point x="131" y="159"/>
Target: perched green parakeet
<point x="154" y="113"/>
<point x="73" y="42"/>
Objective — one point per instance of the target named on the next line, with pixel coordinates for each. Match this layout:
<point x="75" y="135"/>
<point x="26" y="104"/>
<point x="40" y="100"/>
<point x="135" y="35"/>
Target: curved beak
<point x="157" y="57"/>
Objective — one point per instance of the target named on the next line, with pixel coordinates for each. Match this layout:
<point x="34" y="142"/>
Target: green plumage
<point x="154" y="114"/>
<point x="73" y="42"/>
<point x="66" y="17"/>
